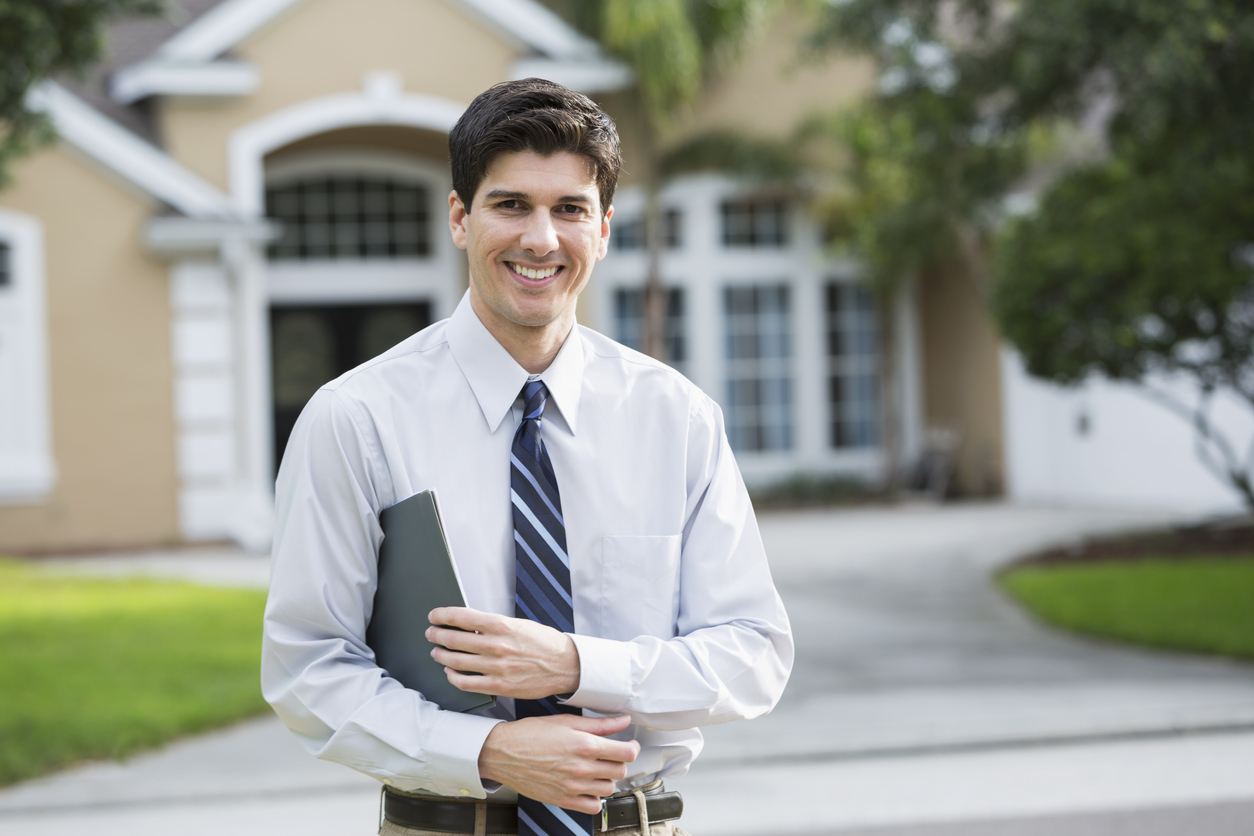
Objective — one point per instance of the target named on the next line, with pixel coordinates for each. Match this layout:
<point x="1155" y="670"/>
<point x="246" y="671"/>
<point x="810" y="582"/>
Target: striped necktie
<point x="542" y="583"/>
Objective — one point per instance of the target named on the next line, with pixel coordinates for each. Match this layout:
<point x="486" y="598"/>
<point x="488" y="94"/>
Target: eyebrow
<point x="505" y="194"/>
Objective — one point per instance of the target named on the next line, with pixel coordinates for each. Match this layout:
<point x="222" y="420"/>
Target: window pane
<point x="629" y="323"/>
<point x="350" y="217"/>
<point x="853" y="366"/>
<point x="629" y="233"/>
<point x="6" y="264"/>
<point x="759" y="379"/>
<point x="754" y="223"/>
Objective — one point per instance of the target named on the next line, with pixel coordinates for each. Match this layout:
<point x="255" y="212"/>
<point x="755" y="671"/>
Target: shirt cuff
<point x="604" y="675"/>
<point x="453" y="754"/>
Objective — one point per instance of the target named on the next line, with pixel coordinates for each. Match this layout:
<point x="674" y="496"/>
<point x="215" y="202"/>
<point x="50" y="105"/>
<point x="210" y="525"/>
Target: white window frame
<point x="367" y="281"/>
<point x="28" y="470"/>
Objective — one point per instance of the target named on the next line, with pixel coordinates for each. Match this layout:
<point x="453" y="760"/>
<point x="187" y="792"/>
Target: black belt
<point x="456" y="816"/>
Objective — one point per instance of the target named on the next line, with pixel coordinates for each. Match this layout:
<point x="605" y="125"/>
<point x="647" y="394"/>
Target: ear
<point x="457" y="213"/>
<point x="605" y="233"/>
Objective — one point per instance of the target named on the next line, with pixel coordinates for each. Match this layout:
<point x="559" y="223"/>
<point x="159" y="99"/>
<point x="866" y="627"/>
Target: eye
<point x="570" y="209"/>
<point x="509" y="204"/>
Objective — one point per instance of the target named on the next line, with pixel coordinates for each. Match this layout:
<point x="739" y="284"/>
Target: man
<point x="618" y="594"/>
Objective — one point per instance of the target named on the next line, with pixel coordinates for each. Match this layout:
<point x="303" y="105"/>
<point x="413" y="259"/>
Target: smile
<point x="535" y="275"/>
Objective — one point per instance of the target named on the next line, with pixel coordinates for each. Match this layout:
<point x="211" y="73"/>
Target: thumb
<point x="602" y="726"/>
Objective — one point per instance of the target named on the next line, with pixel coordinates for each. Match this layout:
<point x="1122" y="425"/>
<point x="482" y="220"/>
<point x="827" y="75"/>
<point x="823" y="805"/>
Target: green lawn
<point x="1199" y="603"/>
<point x="96" y="668"/>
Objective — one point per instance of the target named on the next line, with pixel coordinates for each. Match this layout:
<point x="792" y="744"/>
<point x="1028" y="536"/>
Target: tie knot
<point x="535" y="396"/>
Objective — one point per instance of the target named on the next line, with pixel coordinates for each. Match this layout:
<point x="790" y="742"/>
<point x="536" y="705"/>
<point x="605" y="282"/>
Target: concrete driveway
<point x="923" y="703"/>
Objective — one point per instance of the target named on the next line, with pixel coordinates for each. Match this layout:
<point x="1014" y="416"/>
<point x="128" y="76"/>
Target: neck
<point x="533" y="347"/>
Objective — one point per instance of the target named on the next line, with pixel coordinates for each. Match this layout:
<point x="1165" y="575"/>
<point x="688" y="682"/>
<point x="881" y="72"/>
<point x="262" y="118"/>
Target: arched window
<point x="350" y="216"/>
<point x="353" y="205"/>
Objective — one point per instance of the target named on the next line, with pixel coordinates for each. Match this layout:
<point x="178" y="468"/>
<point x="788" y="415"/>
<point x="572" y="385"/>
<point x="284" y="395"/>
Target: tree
<point x="910" y="201"/>
<point x="674" y="47"/>
<point x="40" y="39"/>
<point x="1136" y="258"/>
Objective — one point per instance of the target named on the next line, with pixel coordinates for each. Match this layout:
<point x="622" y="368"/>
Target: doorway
<point x="313" y="344"/>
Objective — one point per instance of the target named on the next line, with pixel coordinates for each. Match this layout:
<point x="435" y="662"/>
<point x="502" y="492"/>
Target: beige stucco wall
<point x="111" y="373"/>
<point x="771" y="86"/>
<point x="323" y="47"/>
<point x="962" y="377"/>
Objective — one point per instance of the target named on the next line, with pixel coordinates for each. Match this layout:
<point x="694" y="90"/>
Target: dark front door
<point x="313" y="344"/>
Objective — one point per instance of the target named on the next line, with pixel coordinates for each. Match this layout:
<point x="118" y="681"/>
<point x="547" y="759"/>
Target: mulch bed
<point x="1233" y="537"/>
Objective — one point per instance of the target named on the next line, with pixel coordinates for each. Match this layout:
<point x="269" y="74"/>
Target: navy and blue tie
<point x="542" y="583"/>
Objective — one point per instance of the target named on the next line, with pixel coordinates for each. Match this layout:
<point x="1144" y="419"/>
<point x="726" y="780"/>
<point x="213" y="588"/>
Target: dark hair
<point x="532" y="115"/>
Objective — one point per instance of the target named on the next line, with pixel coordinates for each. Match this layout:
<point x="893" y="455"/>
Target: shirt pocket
<point x="639" y="586"/>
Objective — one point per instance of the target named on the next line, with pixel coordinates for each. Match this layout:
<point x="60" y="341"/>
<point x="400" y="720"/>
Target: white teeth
<point x="533" y="274"/>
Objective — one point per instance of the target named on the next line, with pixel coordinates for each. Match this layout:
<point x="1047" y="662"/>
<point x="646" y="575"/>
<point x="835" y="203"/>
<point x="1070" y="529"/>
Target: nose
<point x="539" y="238"/>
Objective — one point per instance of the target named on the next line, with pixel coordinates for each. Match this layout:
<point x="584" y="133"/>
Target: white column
<point x="27" y="468"/>
<point x="252" y="521"/>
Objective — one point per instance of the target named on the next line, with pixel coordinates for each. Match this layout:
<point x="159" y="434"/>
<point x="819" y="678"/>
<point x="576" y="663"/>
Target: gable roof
<point x="526" y="23"/>
<point x="188" y="53"/>
<point x="189" y="61"/>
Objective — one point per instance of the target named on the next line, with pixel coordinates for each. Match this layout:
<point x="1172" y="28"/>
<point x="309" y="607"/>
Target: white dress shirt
<point x="677" y="622"/>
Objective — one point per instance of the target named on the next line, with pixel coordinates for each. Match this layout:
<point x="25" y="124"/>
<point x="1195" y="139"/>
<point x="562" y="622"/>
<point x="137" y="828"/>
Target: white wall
<point x="1134" y="452"/>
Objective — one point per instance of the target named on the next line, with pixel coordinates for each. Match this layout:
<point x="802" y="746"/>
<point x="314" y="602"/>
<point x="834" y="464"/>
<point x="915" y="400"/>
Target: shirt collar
<point x="496" y="378"/>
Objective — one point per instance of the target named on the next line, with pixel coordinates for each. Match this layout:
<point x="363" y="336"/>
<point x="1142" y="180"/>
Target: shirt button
<point x="464" y="791"/>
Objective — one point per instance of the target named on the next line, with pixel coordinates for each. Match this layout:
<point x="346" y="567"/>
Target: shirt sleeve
<point x="732" y="651"/>
<point x="317" y="670"/>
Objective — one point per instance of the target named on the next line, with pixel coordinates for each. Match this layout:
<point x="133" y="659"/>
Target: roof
<point x="107" y="114"/>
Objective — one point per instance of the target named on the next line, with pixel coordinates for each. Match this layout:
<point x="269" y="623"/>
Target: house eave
<point x="123" y="153"/>
<point x="216" y="79"/>
<point x="596" y="75"/>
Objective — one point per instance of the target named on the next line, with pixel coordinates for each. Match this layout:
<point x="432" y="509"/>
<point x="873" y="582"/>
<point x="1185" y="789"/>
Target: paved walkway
<point x="922" y="704"/>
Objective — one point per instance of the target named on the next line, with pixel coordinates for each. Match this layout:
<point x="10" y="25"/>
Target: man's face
<point x="532" y="237"/>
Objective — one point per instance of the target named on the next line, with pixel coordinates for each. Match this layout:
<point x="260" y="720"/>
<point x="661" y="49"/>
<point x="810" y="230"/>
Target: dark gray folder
<point x="416" y="575"/>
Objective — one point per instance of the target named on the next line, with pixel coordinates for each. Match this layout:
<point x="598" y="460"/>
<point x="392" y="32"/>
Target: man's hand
<point x="562" y="759"/>
<point x="516" y="657"/>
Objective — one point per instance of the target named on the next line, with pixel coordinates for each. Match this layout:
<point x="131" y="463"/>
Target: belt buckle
<point x="605" y="817"/>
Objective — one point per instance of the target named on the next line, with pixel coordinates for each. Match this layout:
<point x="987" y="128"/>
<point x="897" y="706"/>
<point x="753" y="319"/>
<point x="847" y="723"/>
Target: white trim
<point x="179" y="236"/>
<point x="360" y="282"/>
<point x="359" y="161"/>
<point x="163" y="78"/>
<point x="248" y="146"/>
<point x="144" y="165"/>
<point x="534" y="25"/>
<point x="28" y="470"/>
<point x="594" y="75"/>
<point x="523" y="22"/>
<point x="909" y="372"/>
<point x="221" y="28"/>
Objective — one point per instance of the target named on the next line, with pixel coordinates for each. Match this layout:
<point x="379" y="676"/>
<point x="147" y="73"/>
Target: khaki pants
<point x="666" y="828"/>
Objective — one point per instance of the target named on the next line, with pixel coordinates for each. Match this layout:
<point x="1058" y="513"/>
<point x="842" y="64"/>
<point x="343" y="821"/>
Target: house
<point x="248" y="198"/>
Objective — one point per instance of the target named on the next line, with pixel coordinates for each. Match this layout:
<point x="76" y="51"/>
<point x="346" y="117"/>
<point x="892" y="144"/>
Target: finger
<point x="465" y="618"/>
<point x="600" y="726"/>
<point x="463" y="640"/>
<point x="619" y="751"/>
<point x="460" y="661"/>
<point x="593" y="789"/>
<point x="473" y="683"/>
<point x="612" y="770"/>
<point x="583" y="803"/>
